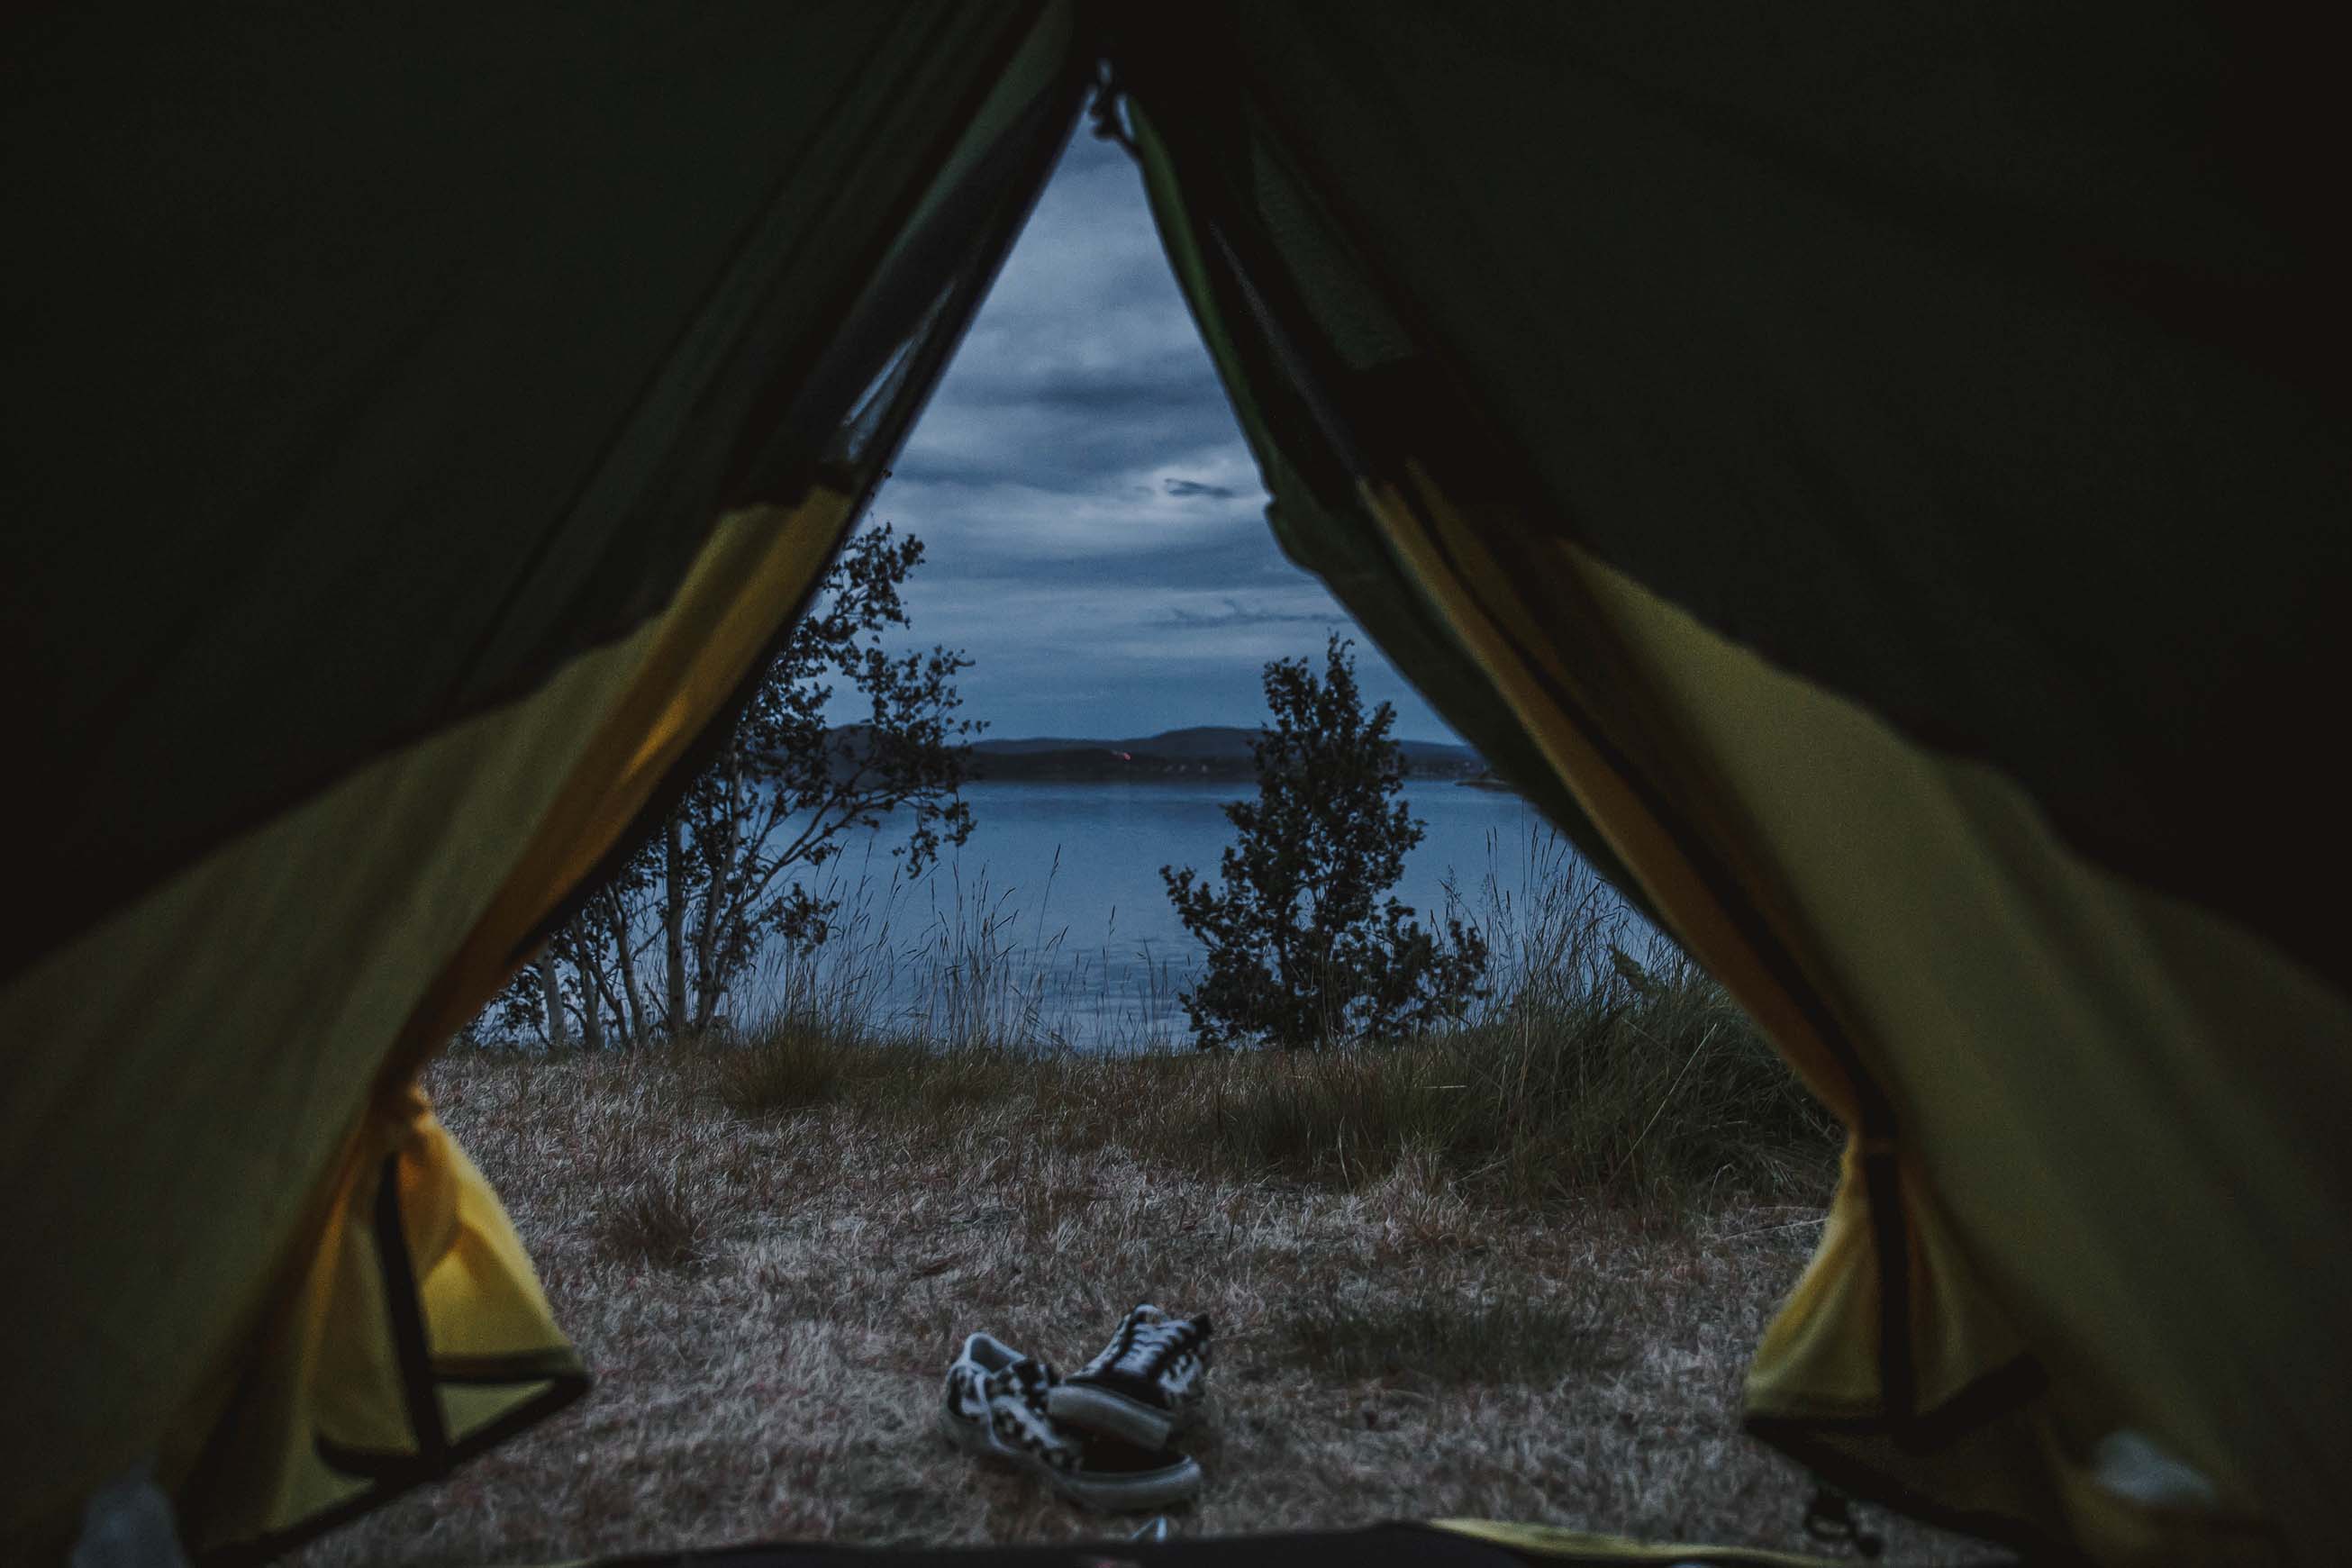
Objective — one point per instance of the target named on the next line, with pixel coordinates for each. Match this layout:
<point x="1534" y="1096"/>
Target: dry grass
<point x="769" y="1256"/>
<point x="1640" y="1083"/>
<point x="662" y="1219"/>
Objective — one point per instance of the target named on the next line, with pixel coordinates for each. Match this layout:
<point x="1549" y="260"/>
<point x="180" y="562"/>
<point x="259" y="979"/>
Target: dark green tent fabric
<point x="1878" y="478"/>
<point x="446" y="333"/>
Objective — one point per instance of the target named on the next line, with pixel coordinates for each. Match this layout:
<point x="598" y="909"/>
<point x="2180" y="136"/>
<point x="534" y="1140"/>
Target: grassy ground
<point x="1514" y="1273"/>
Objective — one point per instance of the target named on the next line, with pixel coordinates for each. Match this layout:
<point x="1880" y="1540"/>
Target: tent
<point x="1877" y="476"/>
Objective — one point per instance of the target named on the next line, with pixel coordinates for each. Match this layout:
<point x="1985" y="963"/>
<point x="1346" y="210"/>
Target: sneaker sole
<point x="1131" y="1493"/>
<point x="1099" y="1410"/>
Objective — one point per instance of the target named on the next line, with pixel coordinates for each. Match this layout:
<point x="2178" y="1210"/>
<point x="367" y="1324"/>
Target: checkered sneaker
<point x="1145" y="1386"/>
<point x="996" y="1406"/>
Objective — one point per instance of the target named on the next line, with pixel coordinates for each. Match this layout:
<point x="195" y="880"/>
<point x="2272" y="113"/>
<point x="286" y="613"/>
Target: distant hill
<point x="1198" y="743"/>
<point x="1216" y="751"/>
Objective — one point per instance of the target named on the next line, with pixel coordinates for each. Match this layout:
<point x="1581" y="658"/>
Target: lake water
<point x="1052" y="923"/>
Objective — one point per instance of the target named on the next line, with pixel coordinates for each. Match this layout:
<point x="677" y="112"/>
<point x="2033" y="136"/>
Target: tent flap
<point x="1916" y="609"/>
<point x="417" y="1337"/>
<point x="406" y="524"/>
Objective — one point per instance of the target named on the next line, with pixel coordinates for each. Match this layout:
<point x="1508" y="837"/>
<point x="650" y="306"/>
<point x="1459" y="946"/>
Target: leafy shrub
<point x="1304" y="948"/>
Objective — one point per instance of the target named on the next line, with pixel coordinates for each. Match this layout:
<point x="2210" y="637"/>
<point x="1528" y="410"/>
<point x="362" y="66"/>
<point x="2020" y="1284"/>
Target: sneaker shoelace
<point x="1147" y="1339"/>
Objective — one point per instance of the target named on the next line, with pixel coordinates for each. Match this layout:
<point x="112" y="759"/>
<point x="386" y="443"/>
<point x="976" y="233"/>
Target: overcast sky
<point x="1096" y="530"/>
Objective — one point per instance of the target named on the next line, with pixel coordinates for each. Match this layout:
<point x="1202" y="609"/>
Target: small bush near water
<point x="791" y="1066"/>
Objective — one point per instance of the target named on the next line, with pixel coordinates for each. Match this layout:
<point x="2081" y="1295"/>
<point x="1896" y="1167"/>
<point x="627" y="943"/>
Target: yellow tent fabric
<point x="417" y="1336"/>
<point x="509" y="811"/>
<point x="1878" y="479"/>
<point x="1550" y="1542"/>
<point x="1994" y="1427"/>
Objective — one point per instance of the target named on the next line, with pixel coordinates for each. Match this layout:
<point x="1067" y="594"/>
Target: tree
<point x="734" y="867"/>
<point x="1304" y="948"/>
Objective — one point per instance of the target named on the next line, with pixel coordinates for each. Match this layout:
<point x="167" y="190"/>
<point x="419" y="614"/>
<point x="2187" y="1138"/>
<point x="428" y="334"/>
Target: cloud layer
<point x="1094" y="522"/>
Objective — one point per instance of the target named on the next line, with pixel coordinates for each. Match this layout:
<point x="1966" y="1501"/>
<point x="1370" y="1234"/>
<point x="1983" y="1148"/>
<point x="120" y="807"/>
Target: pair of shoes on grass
<point x="1100" y="1435"/>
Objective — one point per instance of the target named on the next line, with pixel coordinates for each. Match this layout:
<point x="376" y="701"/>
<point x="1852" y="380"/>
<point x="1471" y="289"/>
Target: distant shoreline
<point x="1210" y="752"/>
<point x="1058" y="768"/>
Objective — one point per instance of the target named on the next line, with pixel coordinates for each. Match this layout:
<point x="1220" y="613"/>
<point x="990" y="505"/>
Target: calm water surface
<point x="1052" y="923"/>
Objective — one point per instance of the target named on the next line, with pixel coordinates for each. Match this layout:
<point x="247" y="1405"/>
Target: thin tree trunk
<point x="550" y="996"/>
<point x="611" y="1006"/>
<point x="707" y="983"/>
<point x="706" y="954"/>
<point x="716" y="924"/>
<point x="674" y="924"/>
<point x="616" y="917"/>
<point x="592" y="1003"/>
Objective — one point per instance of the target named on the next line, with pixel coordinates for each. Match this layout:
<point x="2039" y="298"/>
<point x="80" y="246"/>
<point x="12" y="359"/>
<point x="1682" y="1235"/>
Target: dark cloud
<point x="1236" y="614"/>
<point x="1195" y="487"/>
<point x="1095" y="523"/>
